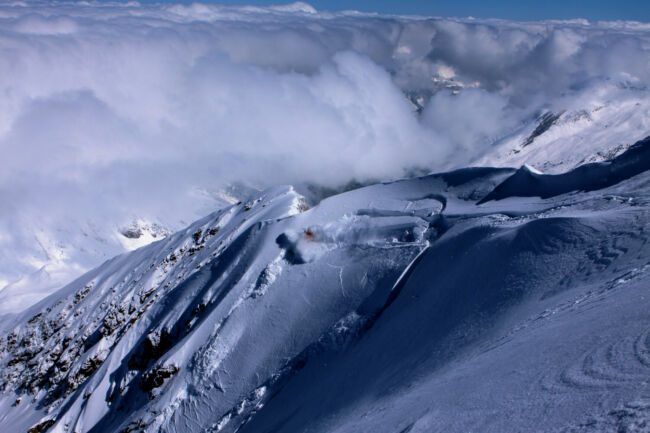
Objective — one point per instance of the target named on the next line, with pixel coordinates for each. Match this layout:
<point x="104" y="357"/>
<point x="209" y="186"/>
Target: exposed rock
<point x="155" y="378"/>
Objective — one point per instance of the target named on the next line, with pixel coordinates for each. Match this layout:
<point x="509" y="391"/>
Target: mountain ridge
<point x="268" y="316"/>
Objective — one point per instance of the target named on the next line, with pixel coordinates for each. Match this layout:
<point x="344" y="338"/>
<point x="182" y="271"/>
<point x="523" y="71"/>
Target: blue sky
<point x="510" y="9"/>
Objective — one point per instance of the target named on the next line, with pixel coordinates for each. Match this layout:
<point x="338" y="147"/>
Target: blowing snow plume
<point x="121" y="122"/>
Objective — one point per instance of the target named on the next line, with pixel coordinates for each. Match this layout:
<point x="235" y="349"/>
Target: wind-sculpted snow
<point x="589" y="177"/>
<point x="402" y="306"/>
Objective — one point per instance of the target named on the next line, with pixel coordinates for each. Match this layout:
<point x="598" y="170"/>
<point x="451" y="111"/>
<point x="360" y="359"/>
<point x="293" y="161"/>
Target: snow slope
<point x="47" y="254"/>
<point x="459" y="301"/>
<point x="581" y="132"/>
<point x="56" y="256"/>
<point x="137" y="117"/>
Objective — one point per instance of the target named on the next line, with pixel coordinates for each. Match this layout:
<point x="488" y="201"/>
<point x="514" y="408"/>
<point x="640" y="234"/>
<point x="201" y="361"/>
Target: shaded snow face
<point x="114" y="113"/>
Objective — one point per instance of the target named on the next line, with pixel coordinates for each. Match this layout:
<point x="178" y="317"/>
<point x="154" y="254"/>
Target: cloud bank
<point x="112" y="112"/>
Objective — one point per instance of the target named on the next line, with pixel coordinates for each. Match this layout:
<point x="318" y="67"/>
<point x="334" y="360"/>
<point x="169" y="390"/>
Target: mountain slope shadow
<point x="589" y="177"/>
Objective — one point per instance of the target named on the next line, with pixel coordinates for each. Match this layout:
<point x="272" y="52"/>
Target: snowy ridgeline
<point x="453" y="302"/>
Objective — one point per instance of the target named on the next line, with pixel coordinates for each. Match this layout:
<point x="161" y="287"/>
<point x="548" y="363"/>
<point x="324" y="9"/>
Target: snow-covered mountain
<point x="481" y="299"/>
<point x="556" y="142"/>
<point x="48" y="254"/>
<point x="72" y="246"/>
<point x="122" y="122"/>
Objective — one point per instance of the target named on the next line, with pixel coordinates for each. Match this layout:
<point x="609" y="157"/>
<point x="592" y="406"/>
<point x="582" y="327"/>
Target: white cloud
<point x="112" y="112"/>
